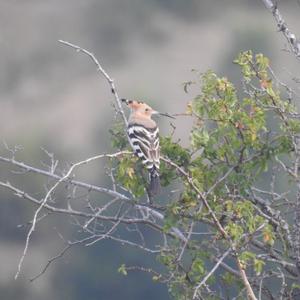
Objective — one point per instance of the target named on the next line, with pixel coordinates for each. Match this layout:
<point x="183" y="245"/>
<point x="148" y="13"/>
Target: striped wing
<point x="145" y="143"/>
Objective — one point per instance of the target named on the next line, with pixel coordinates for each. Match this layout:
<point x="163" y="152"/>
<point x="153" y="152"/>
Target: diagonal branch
<point x="283" y="27"/>
<point x="103" y="72"/>
<point x="58" y="256"/>
<point x="220" y="260"/>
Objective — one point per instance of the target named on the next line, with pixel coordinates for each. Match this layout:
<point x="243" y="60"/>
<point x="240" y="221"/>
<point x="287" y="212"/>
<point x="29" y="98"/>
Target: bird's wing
<point x="145" y="143"/>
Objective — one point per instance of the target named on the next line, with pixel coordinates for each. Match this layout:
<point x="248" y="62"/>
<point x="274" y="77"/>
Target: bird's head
<point x="143" y="108"/>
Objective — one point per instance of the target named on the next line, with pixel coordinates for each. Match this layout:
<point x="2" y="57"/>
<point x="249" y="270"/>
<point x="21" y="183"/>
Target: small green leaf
<point x="122" y="270"/>
<point x="258" y="266"/>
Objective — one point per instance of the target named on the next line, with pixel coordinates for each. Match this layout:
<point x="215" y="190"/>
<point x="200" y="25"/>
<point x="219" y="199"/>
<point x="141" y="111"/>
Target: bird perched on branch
<point x="143" y="135"/>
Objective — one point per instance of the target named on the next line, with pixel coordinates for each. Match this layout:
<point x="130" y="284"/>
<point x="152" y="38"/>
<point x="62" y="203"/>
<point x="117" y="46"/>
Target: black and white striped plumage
<point x="145" y="143"/>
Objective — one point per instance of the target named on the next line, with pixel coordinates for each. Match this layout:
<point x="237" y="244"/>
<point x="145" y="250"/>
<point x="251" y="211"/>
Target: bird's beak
<point x="162" y="114"/>
<point x="166" y="115"/>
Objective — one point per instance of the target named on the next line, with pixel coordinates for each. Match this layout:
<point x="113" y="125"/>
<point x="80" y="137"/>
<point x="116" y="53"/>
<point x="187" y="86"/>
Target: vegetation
<point x="226" y="224"/>
<point x="239" y="140"/>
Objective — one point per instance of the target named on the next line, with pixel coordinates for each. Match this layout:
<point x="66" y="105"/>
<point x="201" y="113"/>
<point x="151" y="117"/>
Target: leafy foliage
<point x="129" y="173"/>
<point x="237" y="137"/>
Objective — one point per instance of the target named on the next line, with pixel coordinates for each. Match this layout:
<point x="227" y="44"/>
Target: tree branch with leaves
<point x="223" y="217"/>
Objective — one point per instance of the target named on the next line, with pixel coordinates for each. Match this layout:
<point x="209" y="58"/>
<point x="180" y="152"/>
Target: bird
<point x="143" y="136"/>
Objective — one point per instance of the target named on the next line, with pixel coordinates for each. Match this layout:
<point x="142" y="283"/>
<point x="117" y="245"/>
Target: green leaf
<point x="199" y="138"/>
<point x="258" y="265"/>
<point x="122" y="270"/>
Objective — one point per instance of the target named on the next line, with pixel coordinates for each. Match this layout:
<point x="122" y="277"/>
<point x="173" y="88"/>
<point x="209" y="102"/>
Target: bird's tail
<point x="154" y="186"/>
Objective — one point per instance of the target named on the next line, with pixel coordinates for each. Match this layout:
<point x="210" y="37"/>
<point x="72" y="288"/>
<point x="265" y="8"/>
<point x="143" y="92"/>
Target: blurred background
<point x="53" y="97"/>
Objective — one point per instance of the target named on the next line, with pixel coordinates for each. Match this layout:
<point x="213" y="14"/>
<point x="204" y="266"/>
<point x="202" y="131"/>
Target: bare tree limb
<point x="283" y="27"/>
<point x="250" y="293"/>
<point x="71" y="181"/>
<point x="91" y="187"/>
<point x="44" y="201"/>
<point x="103" y="72"/>
<point x="210" y="273"/>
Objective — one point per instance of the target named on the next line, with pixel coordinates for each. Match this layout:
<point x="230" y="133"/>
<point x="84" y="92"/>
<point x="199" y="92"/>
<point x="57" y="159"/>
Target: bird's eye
<point x="146" y="109"/>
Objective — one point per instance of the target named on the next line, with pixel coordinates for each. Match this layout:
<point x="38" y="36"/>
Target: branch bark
<point x="282" y="26"/>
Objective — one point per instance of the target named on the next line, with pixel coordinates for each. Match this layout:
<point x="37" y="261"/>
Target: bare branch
<point x="245" y="280"/>
<point x="103" y="72"/>
<point x="220" y="260"/>
<point x="44" y="201"/>
<point x="87" y="186"/>
<point x="283" y="27"/>
<point x="58" y="256"/>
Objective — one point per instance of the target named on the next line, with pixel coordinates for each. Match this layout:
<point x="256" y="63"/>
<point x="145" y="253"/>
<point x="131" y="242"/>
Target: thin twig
<point x="103" y="72"/>
<point x="59" y="255"/>
<point x="203" y="281"/>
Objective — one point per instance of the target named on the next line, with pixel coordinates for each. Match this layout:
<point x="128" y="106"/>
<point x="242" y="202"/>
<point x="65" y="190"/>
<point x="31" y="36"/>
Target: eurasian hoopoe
<point x="144" y="139"/>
